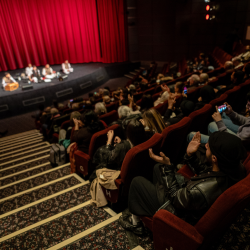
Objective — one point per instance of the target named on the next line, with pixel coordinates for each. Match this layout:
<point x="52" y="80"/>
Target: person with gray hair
<point x="100" y="109"/>
<point x="124" y="111"/>
<point x="194" y="81"/>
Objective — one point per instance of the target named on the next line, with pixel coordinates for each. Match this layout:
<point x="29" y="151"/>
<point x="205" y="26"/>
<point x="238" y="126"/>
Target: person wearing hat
<point x="190" y="199"/>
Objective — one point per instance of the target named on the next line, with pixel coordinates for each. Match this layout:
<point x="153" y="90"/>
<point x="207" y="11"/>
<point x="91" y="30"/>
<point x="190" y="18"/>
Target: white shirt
<point x="4" y="83"/>
<point x="44" y="71"/>
<point x="28" y="71"/>
<point x="63" y="66"/>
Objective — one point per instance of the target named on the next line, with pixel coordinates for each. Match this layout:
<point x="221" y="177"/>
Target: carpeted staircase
<point x="42" y="207"/>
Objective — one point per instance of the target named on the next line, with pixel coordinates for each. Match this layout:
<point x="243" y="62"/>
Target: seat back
<point x="138" y="163"/>
<point x="174" y="139"/>
<point x="100" y="138"/>
<point x="109" y="117"/>
<point x="65" y="125"/>
<point x="194" y="94"/>
<point x="156" y="96"/>
<point x="219" y="101"/>
<point x="149" y="91"/>
<point x="162" y="107"/>
<point x="200" y="119"/>
<point x="225" y="209"/>
<point x="138" y="96"/>
<point x="67" y="111"/>
<point x="59" y="120"/>
<point x="112" y="106"/>
<point x="234" y="97"/>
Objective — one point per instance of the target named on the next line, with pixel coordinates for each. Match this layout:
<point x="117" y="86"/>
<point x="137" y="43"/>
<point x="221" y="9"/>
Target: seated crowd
<point x="221" y="151"/>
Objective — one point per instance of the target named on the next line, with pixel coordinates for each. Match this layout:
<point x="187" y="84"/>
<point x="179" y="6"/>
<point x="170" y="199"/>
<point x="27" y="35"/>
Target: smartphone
<point x="83" y="106"/>
<point x="222" y="108"/>
<point x="185" y="90"/>
<point x="95" y="93"/>
<point x="71" y="100"/>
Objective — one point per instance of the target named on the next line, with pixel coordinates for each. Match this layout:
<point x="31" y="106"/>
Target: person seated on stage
<point x="28" y="70"/>
<point x="66" y="67"/>
<point x="186" y="199"/>
<point x="35" y="74"/>
<point x="7" y="79"/>
<point x="48" y="72"/>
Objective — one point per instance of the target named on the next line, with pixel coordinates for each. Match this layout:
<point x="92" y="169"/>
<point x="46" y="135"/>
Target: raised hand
<point x="163" y="159"/>
<point x="110" y="136"/>
<point x="217" y="116"/>
<point x="229" y="109"/>
<point x="194" y="144"/>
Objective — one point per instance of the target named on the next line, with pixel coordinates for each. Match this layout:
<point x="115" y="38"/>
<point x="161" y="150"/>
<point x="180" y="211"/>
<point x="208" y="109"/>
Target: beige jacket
<point x="106" y="178"/>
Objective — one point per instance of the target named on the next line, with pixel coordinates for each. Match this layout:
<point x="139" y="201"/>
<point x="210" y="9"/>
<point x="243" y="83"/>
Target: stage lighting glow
<point x="208" y="7"/>
<point x="207" y="17"/>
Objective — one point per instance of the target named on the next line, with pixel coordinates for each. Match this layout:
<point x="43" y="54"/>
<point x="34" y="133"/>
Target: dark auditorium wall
<point x="165" y="30"/>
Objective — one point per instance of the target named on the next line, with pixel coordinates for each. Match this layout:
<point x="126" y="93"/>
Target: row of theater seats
<point x="220" y="56"/>
<point x="172" y="142"/>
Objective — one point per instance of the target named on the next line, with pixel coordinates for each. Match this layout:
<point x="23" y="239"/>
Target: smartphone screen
<point x="95" y="93"/>
<point x="71" y="100"/>
<point x="185" y="90"/>
<point x="222" y="108"/>
<point x="83" y="106"/>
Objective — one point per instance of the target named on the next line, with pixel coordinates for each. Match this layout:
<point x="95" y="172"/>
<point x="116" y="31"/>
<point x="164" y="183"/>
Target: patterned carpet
<point x="24" y="160"/>
<point x="58" y="230"/>
<point x="24" y="175"/>
<point x="43" y="210"/>
<point x="113" y="236"/>
<point x="34" y="163"/>
<point x="18" y="155"/>
<point x="34" y="182"/>
<point x="38" y="194"/>
<point x="21" y="146"/>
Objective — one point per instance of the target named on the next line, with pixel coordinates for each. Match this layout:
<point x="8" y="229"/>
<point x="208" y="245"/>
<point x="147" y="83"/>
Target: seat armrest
<point x="81" y="162"/>
<point x="171" y="232"/>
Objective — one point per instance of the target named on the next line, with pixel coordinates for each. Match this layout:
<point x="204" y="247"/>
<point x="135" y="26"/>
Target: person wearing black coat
<point x="191" y="199"/>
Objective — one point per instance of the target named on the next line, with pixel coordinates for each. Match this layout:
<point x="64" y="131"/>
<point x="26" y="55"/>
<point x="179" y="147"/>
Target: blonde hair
<point x="153" y="120"/>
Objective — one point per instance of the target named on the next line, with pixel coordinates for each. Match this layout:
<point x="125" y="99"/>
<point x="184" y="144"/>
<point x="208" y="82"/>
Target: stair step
<point x="34" y="162"/>
<point x="20" y="150"/>
<point x="137" y="70"/>
<point x="28" y="173"/>
<point x="47" y="233"/>
<point x="20" y="140"/>
<point x="19" y="135"/>
<point x="133" y="73"/>
<point x="17" y="155"/>
<point x="142" y="68"/>
<point x="40" y="193"/>
<point x="22" y="160"/>
<point x="20" y="145"/>
<point x="44" y="209"/>
<point x="34" y="181"/>
<point x="129" y="76"/>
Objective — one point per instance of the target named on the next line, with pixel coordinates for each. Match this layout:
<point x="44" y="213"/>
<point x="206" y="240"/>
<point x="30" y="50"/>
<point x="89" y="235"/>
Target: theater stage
<point x="85" y="78"/>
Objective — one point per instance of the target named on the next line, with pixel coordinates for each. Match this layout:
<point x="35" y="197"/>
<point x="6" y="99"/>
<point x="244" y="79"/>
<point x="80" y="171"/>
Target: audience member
<point x="237" y="63"/>
<point x="84" y="130"/>
<point x="147" y="102"/>
<point x="174" y="115"/>
<point x="113" y="153"/>
<point x="100" y="109"/>
<point x="194" y="81"/>
<point x="207" y="94"/>
<point x="152" y="121"/>
<point x="204" y="78"/>
<point x="186" y="199"/>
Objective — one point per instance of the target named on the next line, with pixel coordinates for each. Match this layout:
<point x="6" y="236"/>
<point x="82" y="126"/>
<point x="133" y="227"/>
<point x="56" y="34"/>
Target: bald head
<point x="203" y="77"/>
<point x="228" y="65"/>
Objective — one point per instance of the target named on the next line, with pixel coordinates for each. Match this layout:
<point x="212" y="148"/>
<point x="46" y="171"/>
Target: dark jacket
<point x="191" y="199"/>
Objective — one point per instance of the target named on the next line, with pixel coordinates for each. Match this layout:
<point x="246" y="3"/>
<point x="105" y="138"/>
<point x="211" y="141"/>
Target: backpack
<point x="57" y="155"/>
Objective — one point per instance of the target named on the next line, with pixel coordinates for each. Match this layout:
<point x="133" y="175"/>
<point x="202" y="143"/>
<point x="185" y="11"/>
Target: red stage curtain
<point x="45" y="31"/>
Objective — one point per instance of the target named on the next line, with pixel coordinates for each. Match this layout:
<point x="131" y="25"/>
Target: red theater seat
<point x="200" y="119"/>
<point x="83" y="162"/>
<point x="112" y="106"/>
<point x="136" y="163"/>
<point x="171" y="232"/>
<point x="219" y="101"/>
<point x="162" y="107"/>
<point x="174" y="139"/>
<point x="109" y="117"/>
